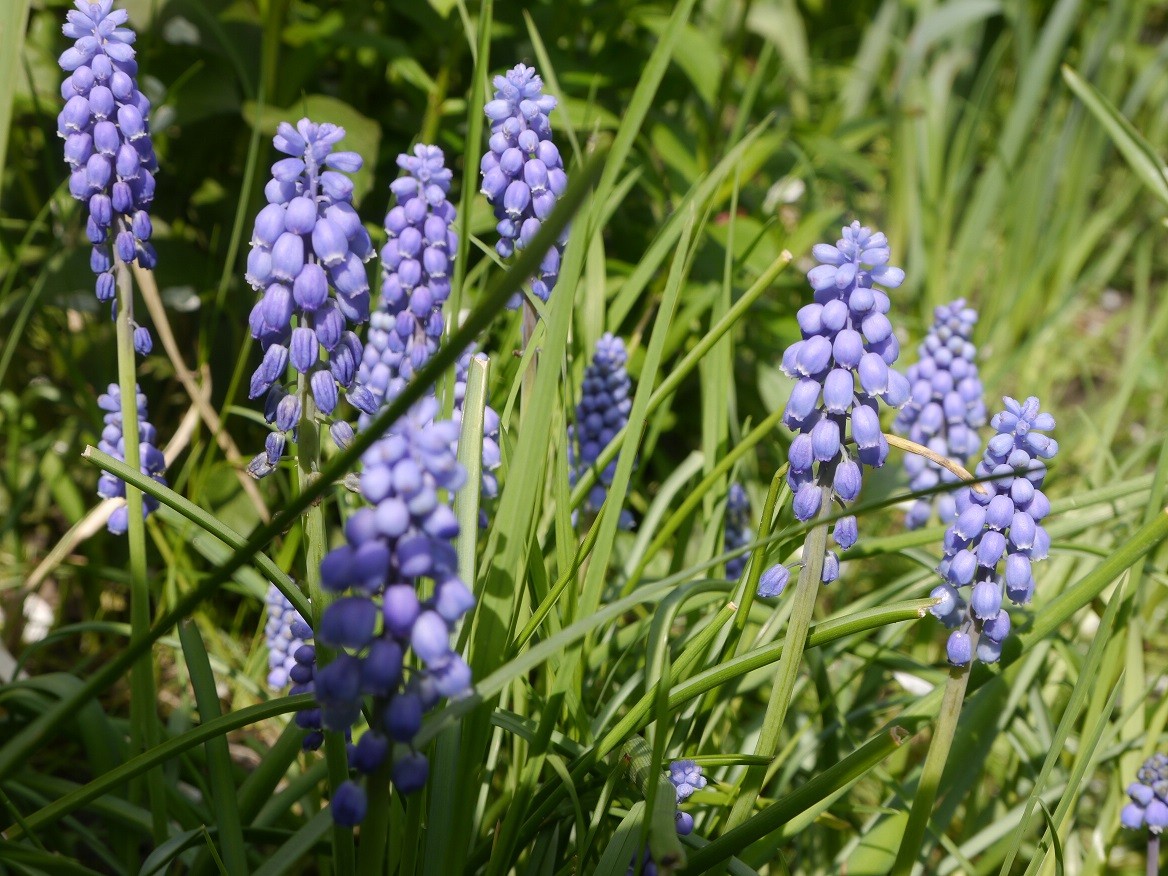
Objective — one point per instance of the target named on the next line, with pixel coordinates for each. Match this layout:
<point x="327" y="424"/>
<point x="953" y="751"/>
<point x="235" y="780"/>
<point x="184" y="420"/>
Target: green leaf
<point x="1132" y="146"/>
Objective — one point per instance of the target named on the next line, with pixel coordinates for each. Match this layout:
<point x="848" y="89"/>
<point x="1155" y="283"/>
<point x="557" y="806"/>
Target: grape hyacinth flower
<point x="774" y="580"/>
<point x="1149" y="796"/>
<point x="106" y="128"/>
<point x="523" y="174"/>
<point x="945" y="409"/>
<point x="282" y="642"/>
<point x="152" y="463"/>
<point x="605" y="402"/>
<point x="847" y="340"/>
<point x="416" y="262"/>
<point x="738" y="531"/>
<point x="407" y="326"/>
<point x="686" y="776"/>
<point x="995" y="529"/>
<point x="393" y="643"/>
<point x="307" y="260"/>
<point x="1149" y="806"/>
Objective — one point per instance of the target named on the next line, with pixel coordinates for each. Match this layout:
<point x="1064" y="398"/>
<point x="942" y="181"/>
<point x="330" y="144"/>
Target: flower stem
<point x="307" y="471"/>
<point x="143" y="717"/>
<point x="1153" y="854"/>
<point x="922" y="805"/>
<point x="814" y="550"/>
<point x="375" y="828"/>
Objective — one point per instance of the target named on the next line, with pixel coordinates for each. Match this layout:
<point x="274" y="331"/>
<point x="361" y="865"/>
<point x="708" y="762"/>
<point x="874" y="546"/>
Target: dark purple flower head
<point x="603" y="410"/>
<point x="307" y="260"/>
<point x="151" y="460"/>
<point x="1149" y="797"/>
<point x="393" y="634"/>
<point x="945" y="409"/>
<point x="997" y="534"/>
<point x="106" y="129"/>
<point x="523" y="174"/>
<point x="738" y="531"/>
<point x="842" y="366"/>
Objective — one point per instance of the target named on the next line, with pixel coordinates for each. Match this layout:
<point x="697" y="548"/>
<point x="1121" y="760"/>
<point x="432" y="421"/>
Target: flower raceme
<point x="945" y="409"/>
<point x="307" y="260"/>
<point x="686" y="776"/>
<point x="406" y="327"/>
<point x="106" y="128"/>
<point x="280" y="634"/>
<point x="1149" y="797"/>
<point x="152" y="463"/>
<point x="997" y="535"/>
<point x="380" y="617"/>
<point x="842" y="366"/>
<point x="603" y="410"/>
<point x="523" y="174"/>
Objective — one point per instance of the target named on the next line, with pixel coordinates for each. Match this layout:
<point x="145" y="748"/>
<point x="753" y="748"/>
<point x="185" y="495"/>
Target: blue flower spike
<point x="997" y="535"/>
<point x="307" y="261"/>
<point x="105" y="124"/>
<point x="151" y="461"/>
<point x="603" y="410"/>
<point x="843" y="369"/>
<point x="523" y="173"/>
<point x="945" y="409"/>
<point x="392" y="633"/>
<point x="1149" y="797"/>
<point x="406" y="328"/>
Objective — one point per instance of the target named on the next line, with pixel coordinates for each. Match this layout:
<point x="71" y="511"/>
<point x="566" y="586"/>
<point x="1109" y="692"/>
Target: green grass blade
<point x="1131" y="144"/>
<point x="224" y="801"/>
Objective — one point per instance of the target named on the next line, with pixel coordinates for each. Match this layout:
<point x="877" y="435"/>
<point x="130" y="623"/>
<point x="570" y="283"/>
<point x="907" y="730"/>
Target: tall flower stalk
<point x="106" y="129"/>
<point x="523" y="177"/>
<point x="308" y="256"/>
<point x="989" y="548"/>
<point x="842" y="367"/>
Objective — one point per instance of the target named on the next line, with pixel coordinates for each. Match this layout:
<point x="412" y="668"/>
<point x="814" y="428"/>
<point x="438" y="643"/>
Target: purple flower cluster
<point x="603" y="410"/>
<point x="945" y="409"/>
<point x="407" y="326"/>
<point x="416" y="261"/>
<point x="380" y="617"/>
<point x="1001" y="524"/>
<point x="308" y="257"/>
<point x="106" y="128"/>
<point x="686" y="776"/>
<point x="282" y="642"/>
<point x="523" y="174"/>
<point x="1149" y="797"/>
<point x="151" y="461"/>
<point x="738" y="532"/>
<point x="846" y="339"/>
